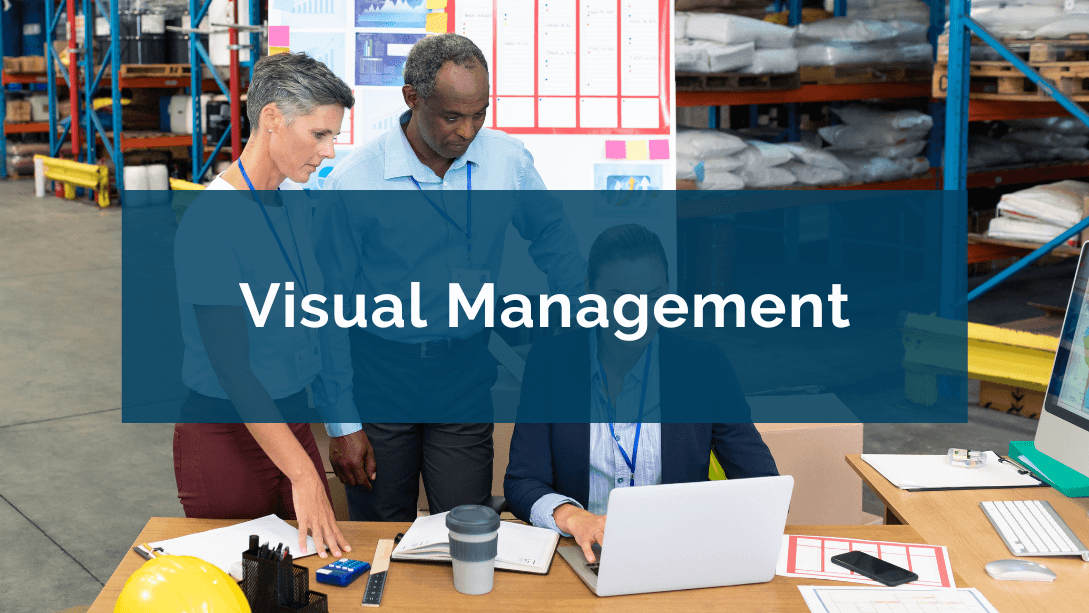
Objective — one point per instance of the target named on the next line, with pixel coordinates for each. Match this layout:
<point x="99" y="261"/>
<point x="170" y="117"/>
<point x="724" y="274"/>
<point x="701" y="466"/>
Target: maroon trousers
<point x="222" y="472"/>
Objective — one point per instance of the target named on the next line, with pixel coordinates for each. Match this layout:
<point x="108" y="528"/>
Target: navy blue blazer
<point x="555" y="457"/>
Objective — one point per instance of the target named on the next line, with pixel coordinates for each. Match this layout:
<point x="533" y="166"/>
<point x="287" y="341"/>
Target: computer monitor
<point x="1063" y="433"/>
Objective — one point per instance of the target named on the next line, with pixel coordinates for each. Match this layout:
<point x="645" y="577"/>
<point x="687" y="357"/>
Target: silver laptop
<point x="688" y="535"/>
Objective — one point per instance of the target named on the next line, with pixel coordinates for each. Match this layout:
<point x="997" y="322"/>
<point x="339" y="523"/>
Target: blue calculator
<point x="342" y="572"/>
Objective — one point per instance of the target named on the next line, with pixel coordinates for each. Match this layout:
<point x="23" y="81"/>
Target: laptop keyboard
<point x="592" y="567"/>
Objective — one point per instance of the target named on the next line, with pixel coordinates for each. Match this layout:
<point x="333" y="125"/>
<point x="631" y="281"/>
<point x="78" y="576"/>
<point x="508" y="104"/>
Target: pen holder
<point x="276" y="587"/>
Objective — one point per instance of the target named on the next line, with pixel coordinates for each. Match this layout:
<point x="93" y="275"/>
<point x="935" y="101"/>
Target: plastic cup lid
<point x="472" y="519"/>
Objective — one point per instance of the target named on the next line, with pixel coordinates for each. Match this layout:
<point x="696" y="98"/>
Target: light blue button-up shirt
<point x="371" y="246"/>
<point x="608" y="469"/>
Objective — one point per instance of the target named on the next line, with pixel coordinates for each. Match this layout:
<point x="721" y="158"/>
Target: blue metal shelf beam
<point x="961" y="28"/>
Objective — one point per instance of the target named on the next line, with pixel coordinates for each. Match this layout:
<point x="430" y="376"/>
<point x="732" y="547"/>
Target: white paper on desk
<point x="521" y="547"/>
<point x="810" y="557"/>
<point x="822" y="599"/>
<point x="909" y="472"/>
<point x="224" y="546"/>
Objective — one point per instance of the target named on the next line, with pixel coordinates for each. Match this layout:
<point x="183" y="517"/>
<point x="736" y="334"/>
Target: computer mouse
<point x="1018" y="570"/>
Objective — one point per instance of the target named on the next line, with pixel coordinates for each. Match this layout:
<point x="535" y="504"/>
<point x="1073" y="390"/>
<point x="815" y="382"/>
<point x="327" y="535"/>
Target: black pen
<point x="279" y="550"/>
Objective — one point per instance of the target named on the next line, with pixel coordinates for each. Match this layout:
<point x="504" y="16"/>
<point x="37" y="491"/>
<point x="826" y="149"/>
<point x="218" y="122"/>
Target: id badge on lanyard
<point x="308" y="359"/>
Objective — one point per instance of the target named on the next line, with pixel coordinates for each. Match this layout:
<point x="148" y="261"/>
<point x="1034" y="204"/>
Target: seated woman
<point x="560" y="474"/>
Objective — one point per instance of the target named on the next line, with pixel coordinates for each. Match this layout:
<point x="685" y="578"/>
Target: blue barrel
<point x="33" y="27"/>
<point x="13" y="29"/>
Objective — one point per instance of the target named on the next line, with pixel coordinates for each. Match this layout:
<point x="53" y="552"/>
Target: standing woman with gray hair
<point x="234" y="369"/>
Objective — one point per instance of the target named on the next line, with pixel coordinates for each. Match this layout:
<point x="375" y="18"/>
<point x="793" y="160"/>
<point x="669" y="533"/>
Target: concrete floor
<point x="77" y="485"/>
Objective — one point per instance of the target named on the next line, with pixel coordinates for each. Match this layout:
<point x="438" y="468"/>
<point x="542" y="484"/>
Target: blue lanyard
<point x="639" y="425"/>
<point x="468" y="231"/>
<point x="302" y="284"/>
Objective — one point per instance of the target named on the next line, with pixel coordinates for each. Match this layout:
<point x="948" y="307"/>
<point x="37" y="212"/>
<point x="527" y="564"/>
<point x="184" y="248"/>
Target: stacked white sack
<point x="729" y="43"/>
<point x="1039" y="214"/>
<point x="879" y="145"/>
<point x="843" y="40"/>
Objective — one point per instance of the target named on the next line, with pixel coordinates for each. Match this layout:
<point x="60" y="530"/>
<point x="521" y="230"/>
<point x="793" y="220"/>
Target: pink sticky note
<point x="279" y="36"/>
<point x="659" y="149"/>
<point x="616" y="150"/>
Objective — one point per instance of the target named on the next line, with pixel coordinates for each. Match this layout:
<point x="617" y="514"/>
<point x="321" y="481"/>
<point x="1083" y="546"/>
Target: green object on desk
<point x="1060" y="476"/>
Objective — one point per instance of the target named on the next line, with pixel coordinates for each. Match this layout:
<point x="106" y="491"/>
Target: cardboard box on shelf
<point x="18" y="111"/>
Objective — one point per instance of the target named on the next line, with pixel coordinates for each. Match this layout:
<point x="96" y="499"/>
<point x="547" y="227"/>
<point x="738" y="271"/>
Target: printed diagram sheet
<point x="573" y="66"/>
<point x="894" y="600"/>
<point x="811" y="557"/>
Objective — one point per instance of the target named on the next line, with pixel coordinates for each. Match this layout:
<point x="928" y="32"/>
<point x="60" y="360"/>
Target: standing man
<point x="438" y="234"/>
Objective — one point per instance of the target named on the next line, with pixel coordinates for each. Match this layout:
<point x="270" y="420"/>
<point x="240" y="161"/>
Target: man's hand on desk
<point x="353" y="459"/>
<point x="586" y="527"/>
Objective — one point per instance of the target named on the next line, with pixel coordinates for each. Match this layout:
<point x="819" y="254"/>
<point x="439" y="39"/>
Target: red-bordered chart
<point x="572" y="66"/>
<point x="810" y="557"/>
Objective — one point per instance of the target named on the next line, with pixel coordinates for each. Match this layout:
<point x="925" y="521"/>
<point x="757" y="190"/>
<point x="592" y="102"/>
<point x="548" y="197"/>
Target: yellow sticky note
<point x="434" y="5"/>
<point x="638" y="150"/>
<point x="436" y="22"/>
<point x="275" y="50"/>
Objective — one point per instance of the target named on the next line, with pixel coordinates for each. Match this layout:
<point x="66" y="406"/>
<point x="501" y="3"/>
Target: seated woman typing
<point x="560" y="474"/>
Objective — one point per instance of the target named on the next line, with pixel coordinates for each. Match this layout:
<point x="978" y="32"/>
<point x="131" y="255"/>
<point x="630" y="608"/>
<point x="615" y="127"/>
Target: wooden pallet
<point x="1001" y="81"/>
<point x="866" y="73"/>
<point x="153" y="70"/>
<point x="734" y="81"/>
<point x="1072" y="48"/>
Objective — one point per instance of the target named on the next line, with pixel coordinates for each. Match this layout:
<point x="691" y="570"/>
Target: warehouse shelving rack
<point x="198" y="58"/>
<point x="961" y="109"/>
<point x="84" y="79"/>
<point x="38" y="127"/>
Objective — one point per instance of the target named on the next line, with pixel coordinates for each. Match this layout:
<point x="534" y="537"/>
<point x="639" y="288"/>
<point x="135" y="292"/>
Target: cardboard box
<point x="1017" y="400"/>
<point x="33" y="64"/>
<point x="18" y="111"/>
<point x="826" y="490"/>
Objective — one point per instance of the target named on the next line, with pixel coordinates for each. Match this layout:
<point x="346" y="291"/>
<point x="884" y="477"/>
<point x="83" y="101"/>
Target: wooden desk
<point x="954" y="519"/>
<point x="414" y="586"/>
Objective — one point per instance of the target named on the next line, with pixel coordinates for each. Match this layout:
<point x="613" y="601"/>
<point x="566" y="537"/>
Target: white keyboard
<point x="1032" y="528"/>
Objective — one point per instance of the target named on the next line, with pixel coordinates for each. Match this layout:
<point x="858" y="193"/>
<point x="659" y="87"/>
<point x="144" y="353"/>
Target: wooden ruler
<point x="376" y="582"/>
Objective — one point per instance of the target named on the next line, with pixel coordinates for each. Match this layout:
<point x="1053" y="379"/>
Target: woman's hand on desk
<point x="586" y="527"/>
<point x="313" y="511"/>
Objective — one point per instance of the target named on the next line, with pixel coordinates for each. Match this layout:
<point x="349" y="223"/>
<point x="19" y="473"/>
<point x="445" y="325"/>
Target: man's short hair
<point x="624" y="242"/>
<point x="431" y="53"/>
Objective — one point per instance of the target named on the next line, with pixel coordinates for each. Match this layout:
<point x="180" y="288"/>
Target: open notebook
<point x="522" y="548"/>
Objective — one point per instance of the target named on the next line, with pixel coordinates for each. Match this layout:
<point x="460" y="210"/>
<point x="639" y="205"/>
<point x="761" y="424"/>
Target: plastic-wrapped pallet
<point x="761" y="154"/>
<point x="734" y="29"/>
<point x="866" y="169"/>
<point x="1062" y="125"/>
<point x="706" y="144"/>
<point x="689" y="168"/>
<point x="726" y="58"/>
<point x="857" y="114"/>
<point x="690" y="58"/>
<point x="1047" y="138"/>
<point x="772" y="61"/>
<point x="720" y="180"/>
<point x="848" y="30"/>
<point x="985" y="152"/>
<point x="815" y="157"/>
<point x="768" y="176"/>
<point x="906" y="149"/>
<point x="906" y="10"/>
<point x="1060" y="204"/>
<point x="680" y="18"/>
<point x="1010" y="228"/>
<point x="816" y="175"/>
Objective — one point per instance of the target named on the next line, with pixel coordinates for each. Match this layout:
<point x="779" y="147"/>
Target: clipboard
<point x="931" y="473"/>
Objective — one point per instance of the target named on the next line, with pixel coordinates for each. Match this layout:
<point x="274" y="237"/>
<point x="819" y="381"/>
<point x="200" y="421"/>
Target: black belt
<point x="429" y="349"/>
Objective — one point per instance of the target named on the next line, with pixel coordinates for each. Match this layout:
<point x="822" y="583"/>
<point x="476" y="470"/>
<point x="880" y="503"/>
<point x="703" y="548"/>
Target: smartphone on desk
<point x="885" y="573"/>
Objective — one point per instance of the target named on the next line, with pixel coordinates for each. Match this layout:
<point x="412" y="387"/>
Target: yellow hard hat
<point x="180" y="584"/>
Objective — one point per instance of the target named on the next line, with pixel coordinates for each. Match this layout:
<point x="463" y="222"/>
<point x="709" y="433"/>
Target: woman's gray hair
<point x="297" y="83"/>
<point x="430" y="53"/>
